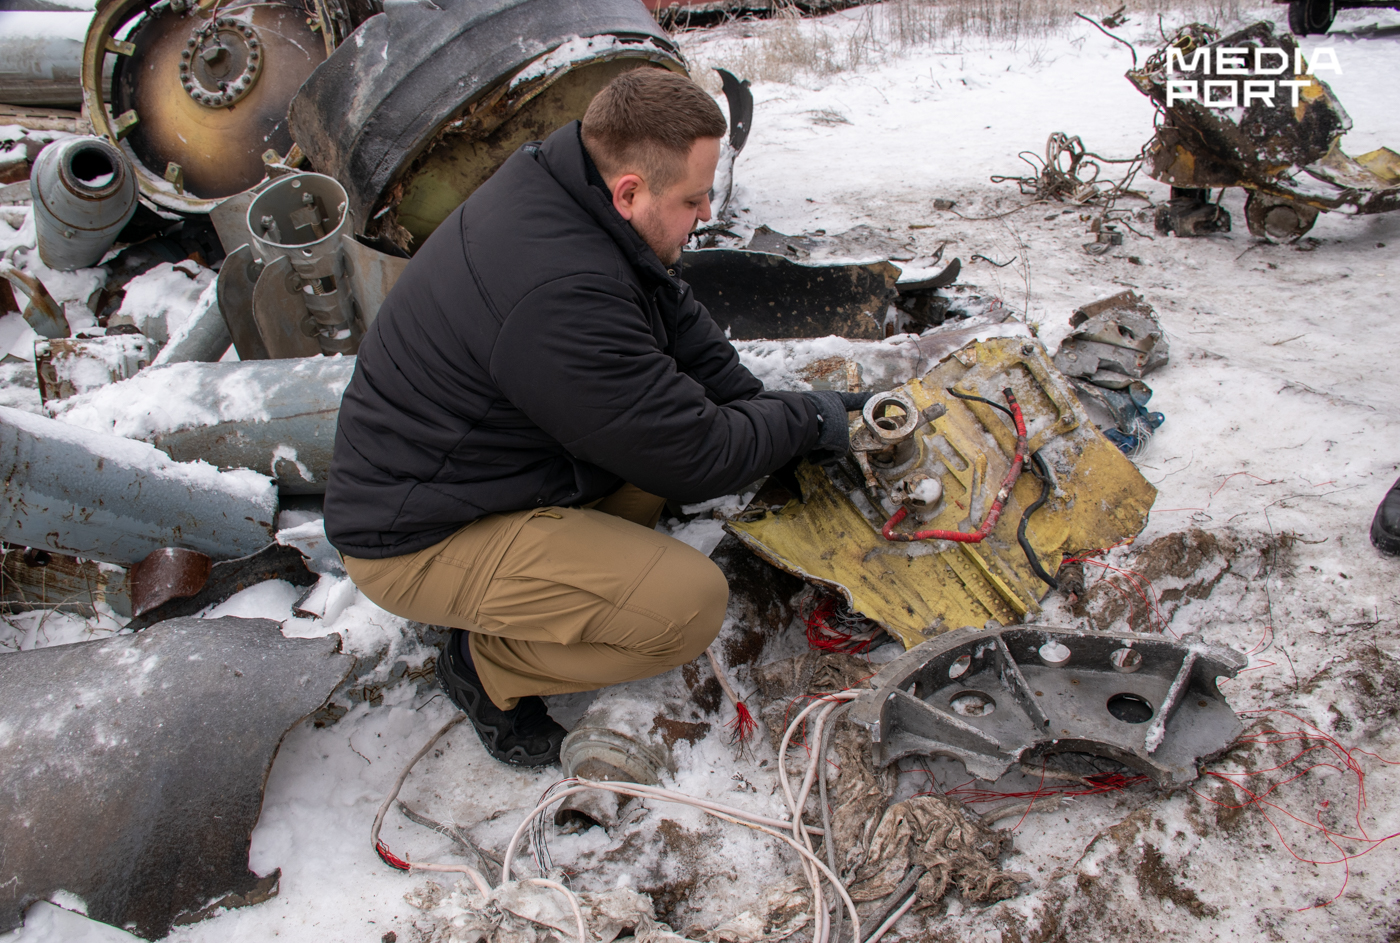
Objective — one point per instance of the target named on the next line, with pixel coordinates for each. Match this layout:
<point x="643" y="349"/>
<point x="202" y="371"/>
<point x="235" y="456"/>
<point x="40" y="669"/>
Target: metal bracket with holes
<point x="991" y="699"/>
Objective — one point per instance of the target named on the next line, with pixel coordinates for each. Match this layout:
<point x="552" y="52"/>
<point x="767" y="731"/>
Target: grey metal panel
<point x="135" y="765"/>
<point x="107" y="498"/>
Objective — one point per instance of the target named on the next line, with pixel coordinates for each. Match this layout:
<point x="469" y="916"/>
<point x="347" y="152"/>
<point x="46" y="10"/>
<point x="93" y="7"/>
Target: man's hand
<point x="832" y="408"/>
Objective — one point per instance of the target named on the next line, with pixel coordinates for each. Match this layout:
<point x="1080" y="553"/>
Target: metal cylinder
<point x="276" y="417"/>
<point x="41" y="57"/>
<point x="301" y="218"/>
<point x="107" y="498"/>
<point x="84" y="193"/>
<point x="621" y="737"/>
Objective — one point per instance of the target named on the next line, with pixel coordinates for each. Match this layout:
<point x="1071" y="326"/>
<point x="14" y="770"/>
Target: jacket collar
<point x="564" y="157"/>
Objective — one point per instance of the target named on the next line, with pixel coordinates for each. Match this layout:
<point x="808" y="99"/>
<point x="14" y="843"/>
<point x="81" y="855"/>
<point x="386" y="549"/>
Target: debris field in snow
<point x="1282" y="434"/>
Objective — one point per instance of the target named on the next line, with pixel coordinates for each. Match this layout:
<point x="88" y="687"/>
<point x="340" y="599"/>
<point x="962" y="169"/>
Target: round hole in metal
<point x="1054" y="654"/>
<point x="959" y="667"/>
<point x="973" y="704"/>
<point x="1126" y="660"/>
<point x="92" y="167"/>
<point x="1130" y="708"/>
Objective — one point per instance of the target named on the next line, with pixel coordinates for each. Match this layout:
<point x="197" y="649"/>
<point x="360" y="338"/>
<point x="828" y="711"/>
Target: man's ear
<point x="625" y="191"/>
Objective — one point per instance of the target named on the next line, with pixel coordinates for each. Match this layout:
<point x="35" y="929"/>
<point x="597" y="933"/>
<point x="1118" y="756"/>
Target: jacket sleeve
<point x="705" y="354"/>
<point x="578" y="358"/>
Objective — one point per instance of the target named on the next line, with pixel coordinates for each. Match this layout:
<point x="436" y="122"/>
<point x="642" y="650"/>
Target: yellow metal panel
<point x="917" y="590"/>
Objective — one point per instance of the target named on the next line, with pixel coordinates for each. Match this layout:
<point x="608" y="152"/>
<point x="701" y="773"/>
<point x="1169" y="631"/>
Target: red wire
<point x="993" y="514"/>
<point x="824" y="636"/>
<point x="743" y="725"/>
<point x="1313" y="741"/>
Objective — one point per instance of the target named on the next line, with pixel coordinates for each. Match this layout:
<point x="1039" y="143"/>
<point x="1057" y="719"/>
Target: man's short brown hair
<point x="645" y="121"/>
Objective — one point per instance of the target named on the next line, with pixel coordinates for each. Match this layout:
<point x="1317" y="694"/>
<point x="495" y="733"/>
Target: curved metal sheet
<point x="371" y="108"/>
<point x="280" y="312"/>
<point x="237" y="278"/>
<point x="109" y="498"/>
<point x="135" y="765"/>
<point x="759" y="295"/>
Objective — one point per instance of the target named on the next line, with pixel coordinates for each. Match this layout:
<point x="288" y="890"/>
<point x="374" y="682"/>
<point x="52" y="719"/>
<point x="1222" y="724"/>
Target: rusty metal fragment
<point x="43" y="313"/>
<point x="166" y="574"/>
<point x="135" y="765"/>
<point x="430" y="99"/>
<point x="84" y="192"/>
<point x="68" y="366"/>
<point x="760" y="295"/>
<point x="994" y="698"/>
<point x="108" y="498"/>
<point x="276" y="417"/>
<point x="221" y="580"/>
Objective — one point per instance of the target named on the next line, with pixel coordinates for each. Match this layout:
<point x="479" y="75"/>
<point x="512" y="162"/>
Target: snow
<point x="161" y="301"/>
<point x="169" y="397"/>
<point x="1281" y="403"/>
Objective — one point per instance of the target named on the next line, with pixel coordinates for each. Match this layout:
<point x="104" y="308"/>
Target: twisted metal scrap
<point x="1070" y="173"/>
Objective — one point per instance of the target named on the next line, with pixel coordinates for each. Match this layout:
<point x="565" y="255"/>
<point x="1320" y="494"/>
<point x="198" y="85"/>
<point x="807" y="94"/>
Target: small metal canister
<point x="84" y="193"/>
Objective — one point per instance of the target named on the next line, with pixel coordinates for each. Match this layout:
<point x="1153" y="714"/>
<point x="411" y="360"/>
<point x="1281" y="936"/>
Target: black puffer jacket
<point x="537" y="352"/>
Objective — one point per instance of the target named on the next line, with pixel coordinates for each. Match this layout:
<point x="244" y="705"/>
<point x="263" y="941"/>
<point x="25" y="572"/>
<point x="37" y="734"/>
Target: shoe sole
<point x="1385" y="543"/>
<point x="460" y="692"/>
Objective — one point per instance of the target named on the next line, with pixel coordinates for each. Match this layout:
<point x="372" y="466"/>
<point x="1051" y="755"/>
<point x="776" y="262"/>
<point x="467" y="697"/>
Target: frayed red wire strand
<point x="743" y="725"/>
<point x="1316" y="740"/>
<point x="826" y="634"/>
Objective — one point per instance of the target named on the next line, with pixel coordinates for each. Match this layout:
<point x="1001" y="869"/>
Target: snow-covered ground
<point x="1282" y="401"/>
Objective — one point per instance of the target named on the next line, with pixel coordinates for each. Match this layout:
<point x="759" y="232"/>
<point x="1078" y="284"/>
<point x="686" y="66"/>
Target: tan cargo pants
<point x="560" y="599"/>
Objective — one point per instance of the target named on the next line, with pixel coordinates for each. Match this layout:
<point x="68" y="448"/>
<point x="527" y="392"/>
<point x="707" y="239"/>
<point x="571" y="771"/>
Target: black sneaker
<point x="525" y="735"/>
<point x="1385" y="529"/>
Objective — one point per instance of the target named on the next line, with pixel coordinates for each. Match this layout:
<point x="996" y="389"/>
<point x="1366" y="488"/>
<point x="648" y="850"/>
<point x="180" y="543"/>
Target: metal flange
<point x="994" y="698"/>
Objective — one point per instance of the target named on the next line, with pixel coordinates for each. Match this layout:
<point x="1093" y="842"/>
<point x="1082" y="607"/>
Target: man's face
<point x="666" y="219"/>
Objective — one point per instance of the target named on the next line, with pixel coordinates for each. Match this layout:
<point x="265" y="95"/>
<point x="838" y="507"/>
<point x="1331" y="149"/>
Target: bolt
<point x="213" y="54"/>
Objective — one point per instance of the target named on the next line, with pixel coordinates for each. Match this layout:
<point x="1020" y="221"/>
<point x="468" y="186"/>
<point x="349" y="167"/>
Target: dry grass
<point x="787" y="47"/>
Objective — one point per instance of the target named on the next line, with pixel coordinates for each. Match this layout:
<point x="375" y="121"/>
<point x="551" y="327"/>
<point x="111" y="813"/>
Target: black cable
<point x="979" y="399"/>
<point x="1043" y="473"/>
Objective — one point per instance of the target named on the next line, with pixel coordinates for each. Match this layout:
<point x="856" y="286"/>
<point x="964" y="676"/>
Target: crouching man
<point x="535" y="386"/>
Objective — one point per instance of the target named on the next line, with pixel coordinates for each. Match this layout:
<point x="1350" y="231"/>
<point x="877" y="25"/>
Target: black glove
<point x="832" y="408"/>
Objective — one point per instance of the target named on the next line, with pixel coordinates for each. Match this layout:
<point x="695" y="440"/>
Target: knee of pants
<point x="693" y="594"/>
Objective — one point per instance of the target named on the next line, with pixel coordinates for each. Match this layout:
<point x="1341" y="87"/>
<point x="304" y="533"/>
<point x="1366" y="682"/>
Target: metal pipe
<point x="41" y="57"/>
<point x="84" y="192"/>
<point x="107" y="498"/>
<point x="276" y="417"/>
<point x="301" y="219"/>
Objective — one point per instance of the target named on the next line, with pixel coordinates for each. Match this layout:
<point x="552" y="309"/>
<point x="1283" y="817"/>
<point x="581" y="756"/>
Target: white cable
<point x="573" y="902"/>
<point x="630" y="789"/>
<point x="821" y="925"/>
<point x="892" y="919"/>
<point x="800" y="840"/>
<point x="711" y="805"/>
<point x="403" y="776"/>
